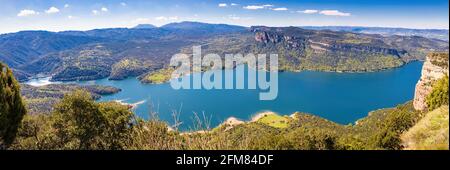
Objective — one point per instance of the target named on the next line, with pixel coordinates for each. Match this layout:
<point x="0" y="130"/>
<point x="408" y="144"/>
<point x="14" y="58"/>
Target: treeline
<point x="78" y="122"/>
<point x="41" y="99"/>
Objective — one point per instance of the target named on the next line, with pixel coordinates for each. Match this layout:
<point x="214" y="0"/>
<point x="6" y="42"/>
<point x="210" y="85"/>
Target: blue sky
<point x="58" y="15"/>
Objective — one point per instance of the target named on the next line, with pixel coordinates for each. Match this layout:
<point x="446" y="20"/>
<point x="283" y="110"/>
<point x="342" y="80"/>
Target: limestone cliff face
<point x="435" y="67"/>
<point x="323" y="41"/>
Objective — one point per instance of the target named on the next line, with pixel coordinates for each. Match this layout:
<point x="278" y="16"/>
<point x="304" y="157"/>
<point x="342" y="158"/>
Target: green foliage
<point x="309" y="139"/>
<point x="254" y="136"/>
<point x="80" y="123"/>
<point x="152" y="135"/>
<point x="128" y="67"/>
<point x="159" y="76"/>
<point x="40" y="100"/>
<point x="12" y="108"/>
<point x="352" y="142"/>
<point x="439" y="94"/>
<point x="118" y="123"/>
<point x="390" y="129"/>
<point x="36" y="133"/>
<point x="274" y="120"/>
<point x="110" y="126"/>
<point x="369" y="63"/>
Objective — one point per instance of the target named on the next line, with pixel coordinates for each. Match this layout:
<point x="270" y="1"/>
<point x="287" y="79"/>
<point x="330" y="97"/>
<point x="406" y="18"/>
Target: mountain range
<point x="117" y="53"/>
<point x="441" y="34"/>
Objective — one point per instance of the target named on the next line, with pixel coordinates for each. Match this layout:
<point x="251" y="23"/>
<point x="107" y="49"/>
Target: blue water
<point x="339" y="97"/>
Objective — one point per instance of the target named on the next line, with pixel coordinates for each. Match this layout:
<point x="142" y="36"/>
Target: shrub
<point x="439" y="94"/>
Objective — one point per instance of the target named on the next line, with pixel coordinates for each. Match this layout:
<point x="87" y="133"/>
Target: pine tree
<point x="12" y="108"/>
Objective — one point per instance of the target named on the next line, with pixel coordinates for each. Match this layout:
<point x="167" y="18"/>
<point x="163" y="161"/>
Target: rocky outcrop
<point x="434" y="68"/>
<point x="320" y="41"/>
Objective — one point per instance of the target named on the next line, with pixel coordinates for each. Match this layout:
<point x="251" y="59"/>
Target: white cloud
<point x="52" y="10"/>
<point x="334" y="13"/>
<point x="66" y="5"/>
<point x="97" y="12"/>
<point x="27" y="12"/>
<point x="255" y="7"/>
<point x="123" y="4"/>
<point x="309" y="11"/>
<point x="71" y="17"/>
<point x="280" y="9"/>
<point x="163" y="18"/>
<point x="223" y="5"/>
<point x="233" y="4"/>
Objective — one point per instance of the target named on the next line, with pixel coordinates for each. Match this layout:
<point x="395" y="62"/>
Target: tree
<point x="397" y="121"/>
<point x="35" y="133"/>
<point x="118" y="125"/>
<point x="439" y="94"/>
<point x="12" y="107"/>
<point x="78" y="121"/>
<point x="309" y="139"/>
<point x="81" y="123"/>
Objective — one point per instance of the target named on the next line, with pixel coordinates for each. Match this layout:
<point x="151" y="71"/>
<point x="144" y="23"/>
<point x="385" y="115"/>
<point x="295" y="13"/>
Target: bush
<point x="439" y="94"/>
<point x="309" y="139"/>
<point x="152" y="135"/>
<point x="36" y="133"/>
<point x="80" y="123"/>
<point x="396" y="122"/>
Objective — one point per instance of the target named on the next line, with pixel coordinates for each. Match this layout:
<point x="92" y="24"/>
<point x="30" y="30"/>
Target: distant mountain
<point x="22" y="47"/>
<point x="120" y="33"/>
<point x="144" y="26"/>
<point x="203" y="27"/>
<point x="191" y="30"/>
<point x="118" y="53"/>
<point x="441" y="34"/>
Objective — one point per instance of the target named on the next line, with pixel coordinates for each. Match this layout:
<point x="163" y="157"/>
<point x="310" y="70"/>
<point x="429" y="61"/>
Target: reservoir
<point x="340" y="97"/>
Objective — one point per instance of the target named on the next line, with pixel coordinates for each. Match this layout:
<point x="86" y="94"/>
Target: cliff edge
<point x="435" y="67"/>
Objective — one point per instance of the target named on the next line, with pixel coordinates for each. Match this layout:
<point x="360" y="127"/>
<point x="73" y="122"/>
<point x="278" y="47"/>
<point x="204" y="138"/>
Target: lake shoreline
<point x="40" y="76"/>
<point x="300" y="91"/>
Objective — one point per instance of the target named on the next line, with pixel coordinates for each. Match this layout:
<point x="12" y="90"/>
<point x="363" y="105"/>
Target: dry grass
<point x="274" y="120"/>
<point x="430" y="133"/>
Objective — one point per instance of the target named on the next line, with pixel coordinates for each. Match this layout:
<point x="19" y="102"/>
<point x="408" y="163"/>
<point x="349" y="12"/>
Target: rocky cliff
<point x="435" y="67"/>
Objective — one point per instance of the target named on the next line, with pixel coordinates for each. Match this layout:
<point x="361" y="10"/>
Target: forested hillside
<point x="118" y="53"/>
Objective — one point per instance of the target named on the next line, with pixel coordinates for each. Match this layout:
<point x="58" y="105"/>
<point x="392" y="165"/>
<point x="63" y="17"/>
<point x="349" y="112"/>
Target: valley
<point x="118" y="53"/>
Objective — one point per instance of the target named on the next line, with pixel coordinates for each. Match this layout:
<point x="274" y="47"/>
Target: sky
<point x="59" y="15"/>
